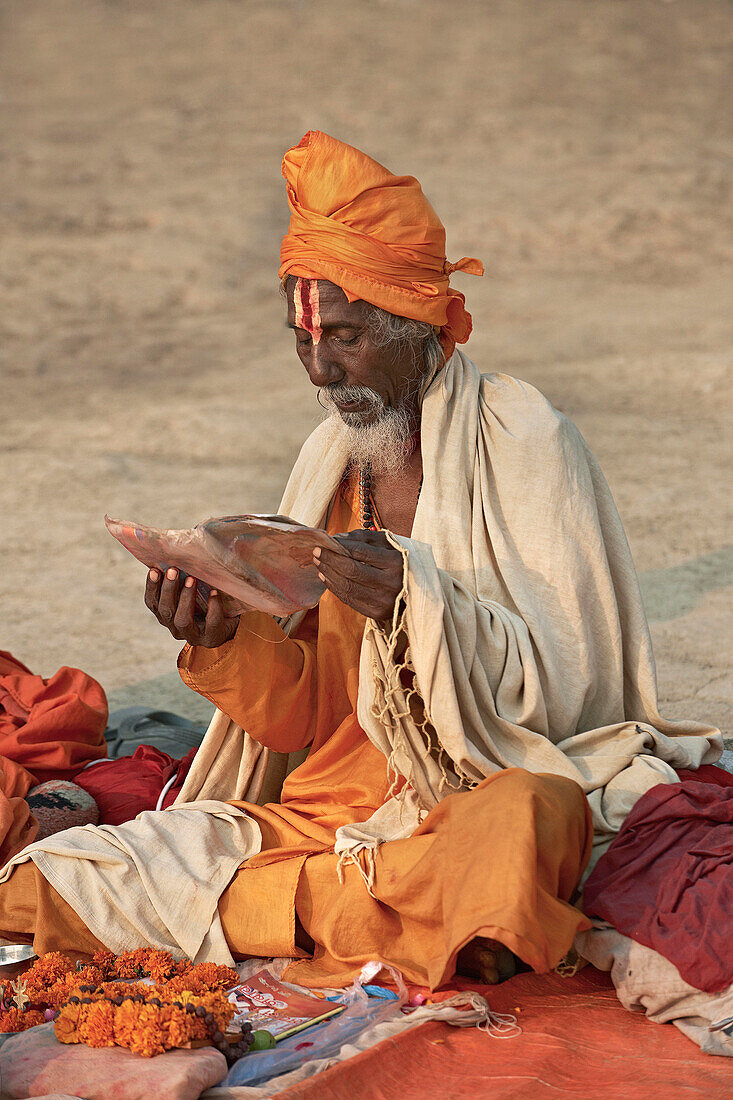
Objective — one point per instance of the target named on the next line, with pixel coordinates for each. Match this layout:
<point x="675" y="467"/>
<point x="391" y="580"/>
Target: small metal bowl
<point x="14" y="959"/>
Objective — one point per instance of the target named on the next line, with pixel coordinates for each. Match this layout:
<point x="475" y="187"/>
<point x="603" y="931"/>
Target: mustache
<point x="349" y="392"/>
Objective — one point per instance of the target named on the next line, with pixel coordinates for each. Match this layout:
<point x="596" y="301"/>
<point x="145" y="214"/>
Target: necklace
<point x="367" y="509"/>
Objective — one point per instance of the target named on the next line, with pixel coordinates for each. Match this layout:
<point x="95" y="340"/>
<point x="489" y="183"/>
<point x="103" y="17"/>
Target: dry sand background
<point x="582" y="148"/>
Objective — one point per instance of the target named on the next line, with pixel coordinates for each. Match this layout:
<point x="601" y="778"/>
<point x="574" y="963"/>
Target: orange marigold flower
<point x="160" y="965"/>
<point x="147" y="1036"/>
<point x="48" y="969"/>
<point x="107" y="963"/>
<point x="125" y="1023"/>
<point x="14" y="1020"/>
<point x="97" y="1026"/>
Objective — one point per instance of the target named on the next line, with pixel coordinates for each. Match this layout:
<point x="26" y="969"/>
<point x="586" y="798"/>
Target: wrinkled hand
<point x="369" y="579"/>
<point x="174" y="606"/>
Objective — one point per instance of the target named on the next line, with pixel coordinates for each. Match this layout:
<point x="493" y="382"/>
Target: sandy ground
<point x="581" y="148"/>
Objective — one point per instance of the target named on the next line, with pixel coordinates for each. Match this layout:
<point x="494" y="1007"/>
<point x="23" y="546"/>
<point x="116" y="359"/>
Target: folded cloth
<point x="35" y="1063"/>
<point x="667" y="879"/>
<point x="645" y="981"/>
<point x="52" y="727"/>
<point x="18" y="827"/>
<point x="123" y="788"/>
<point x="156" y="880"/>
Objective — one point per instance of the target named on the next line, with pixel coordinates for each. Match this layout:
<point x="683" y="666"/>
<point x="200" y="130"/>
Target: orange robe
<point x="501" y="861"/>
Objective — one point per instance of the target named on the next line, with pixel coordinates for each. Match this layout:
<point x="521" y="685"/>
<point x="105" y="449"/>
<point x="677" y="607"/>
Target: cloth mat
<point x="577" y="1040"/>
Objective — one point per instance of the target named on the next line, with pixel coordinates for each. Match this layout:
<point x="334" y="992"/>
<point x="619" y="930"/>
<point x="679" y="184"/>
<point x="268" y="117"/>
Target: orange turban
<point x="372" y="233"/>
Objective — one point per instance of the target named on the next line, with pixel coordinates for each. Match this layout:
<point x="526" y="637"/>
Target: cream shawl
<point x="521" y="611"/>
<point x="521" y="618"/>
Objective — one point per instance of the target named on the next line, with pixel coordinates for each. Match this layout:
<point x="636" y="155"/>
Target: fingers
<point x="184" y="619"/>
<point x="341" y="565"/>
<point x="174" y="605"/>
<point x="214" y="624"/>
<point x="370" y="591"/>
<point x="378" y="556"/>
<point x="365" y="545"/>
<point x="168" y="599"/>
<point x="152" y="590"/>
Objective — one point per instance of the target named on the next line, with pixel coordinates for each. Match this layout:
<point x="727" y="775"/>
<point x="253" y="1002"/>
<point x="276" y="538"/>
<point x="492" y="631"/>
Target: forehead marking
<point x="307" y="307"/>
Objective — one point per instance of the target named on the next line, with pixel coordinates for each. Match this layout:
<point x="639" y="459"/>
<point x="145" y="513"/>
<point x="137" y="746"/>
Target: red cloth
<point x="125" y="787"/>
<point x="52" y="727"/>
<point x="577" y="1041"/>
<point x="707" y="773"/>
<point x="667" y="879"/>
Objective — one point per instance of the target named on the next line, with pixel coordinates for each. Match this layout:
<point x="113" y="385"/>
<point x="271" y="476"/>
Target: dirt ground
<point x="582" y="148"/>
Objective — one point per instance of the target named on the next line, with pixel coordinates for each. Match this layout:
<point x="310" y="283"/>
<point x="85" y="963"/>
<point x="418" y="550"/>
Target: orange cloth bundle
<point x="52" y="727"/>
<point x="372" y="233"/>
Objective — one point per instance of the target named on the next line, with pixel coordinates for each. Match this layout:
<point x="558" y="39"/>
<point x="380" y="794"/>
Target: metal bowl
<point x="14" y="959"/>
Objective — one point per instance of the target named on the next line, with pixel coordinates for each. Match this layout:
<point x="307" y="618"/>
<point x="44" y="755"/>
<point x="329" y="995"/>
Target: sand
<point x="581" y="148"/>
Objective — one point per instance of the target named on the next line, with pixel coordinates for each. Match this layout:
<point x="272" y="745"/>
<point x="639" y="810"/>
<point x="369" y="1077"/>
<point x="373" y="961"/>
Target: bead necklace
<point x="370" y="520"/>
<point x="367" y="508"/>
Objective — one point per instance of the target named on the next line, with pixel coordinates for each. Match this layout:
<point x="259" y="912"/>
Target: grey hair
<point x="398" y="334"/>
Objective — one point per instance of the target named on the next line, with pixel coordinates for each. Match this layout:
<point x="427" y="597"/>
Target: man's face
<point x="334" y="345"/>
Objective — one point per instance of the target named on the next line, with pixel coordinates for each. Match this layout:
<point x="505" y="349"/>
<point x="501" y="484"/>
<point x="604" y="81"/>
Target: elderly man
<point x="475" y="689"/>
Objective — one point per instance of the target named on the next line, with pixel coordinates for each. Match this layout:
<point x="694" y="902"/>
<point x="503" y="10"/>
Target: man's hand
<point x="369" y="579"/>
<point x="174" y="605"/>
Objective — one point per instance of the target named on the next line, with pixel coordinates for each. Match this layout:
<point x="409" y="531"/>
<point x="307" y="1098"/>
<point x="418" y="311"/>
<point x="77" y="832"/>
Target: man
<point x="475" y="689"/>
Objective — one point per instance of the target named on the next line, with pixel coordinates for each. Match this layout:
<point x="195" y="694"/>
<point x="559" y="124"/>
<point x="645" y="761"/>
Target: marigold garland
<point x="148" y="1020"/>
<point x="54" y="978"/>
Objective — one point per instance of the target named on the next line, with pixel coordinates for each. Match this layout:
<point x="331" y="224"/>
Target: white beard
<point x="382" y="444"/>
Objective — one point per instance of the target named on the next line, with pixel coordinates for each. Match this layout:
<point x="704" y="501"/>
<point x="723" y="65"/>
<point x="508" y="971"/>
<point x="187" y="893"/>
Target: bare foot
<point x="487" y="960"/>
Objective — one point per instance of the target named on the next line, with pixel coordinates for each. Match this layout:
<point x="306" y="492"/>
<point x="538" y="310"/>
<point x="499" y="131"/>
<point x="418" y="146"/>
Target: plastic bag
<point x="323" y="1040"/>
<point x="261" y="563"/>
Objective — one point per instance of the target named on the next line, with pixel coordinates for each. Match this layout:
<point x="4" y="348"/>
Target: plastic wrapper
<point x="322" y="1040"/>
<point x="257" y="563"/>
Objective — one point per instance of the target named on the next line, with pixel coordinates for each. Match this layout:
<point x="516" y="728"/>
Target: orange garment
<point x="500" y="861"/>
<point x="53" y="727"/>
<point x="507" y="851"/>
<point x="372" y="233"/>
<point x="18" y="826"/>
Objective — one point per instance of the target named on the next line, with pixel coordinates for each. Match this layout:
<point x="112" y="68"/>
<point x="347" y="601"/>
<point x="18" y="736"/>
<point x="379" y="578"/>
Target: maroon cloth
<point x="125" y="787"/>
<point x="667" y="879"/>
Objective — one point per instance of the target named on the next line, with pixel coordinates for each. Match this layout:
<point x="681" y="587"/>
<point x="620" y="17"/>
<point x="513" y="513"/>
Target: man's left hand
<point x="369" y="579"/>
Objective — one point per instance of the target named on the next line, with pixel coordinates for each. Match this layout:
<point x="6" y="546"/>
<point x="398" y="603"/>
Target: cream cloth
<point x="154" y="881"/>
<point x="521" y="611"/>
<point x="646" y="981"/>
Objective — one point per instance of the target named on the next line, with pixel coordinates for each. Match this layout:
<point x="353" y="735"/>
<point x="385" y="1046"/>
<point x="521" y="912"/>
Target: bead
<point x="209" y="1018"/>
<point x="190" y="1009"/>
<point x="200" y="1010"/>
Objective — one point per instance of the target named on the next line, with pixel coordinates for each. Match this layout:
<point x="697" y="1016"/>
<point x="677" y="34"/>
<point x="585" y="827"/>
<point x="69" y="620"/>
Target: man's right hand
<point x="174" y="606"/>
